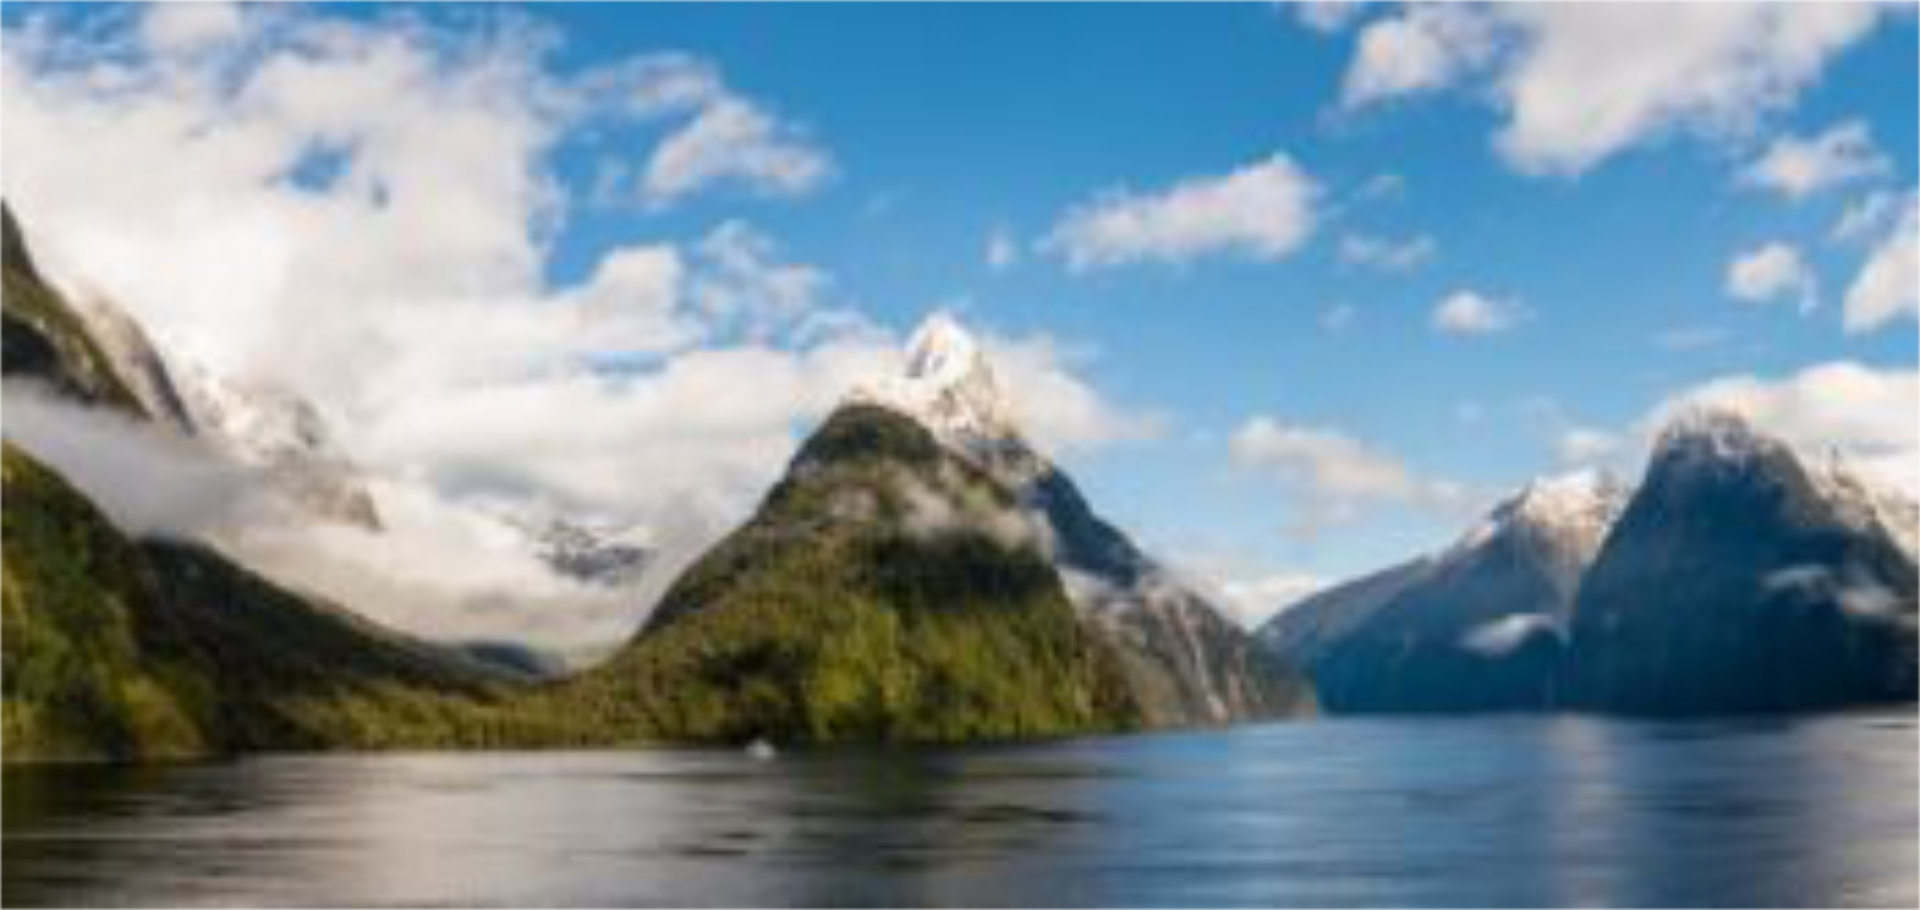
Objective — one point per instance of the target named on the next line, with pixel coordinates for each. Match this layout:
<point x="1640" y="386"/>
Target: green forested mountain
<point x="885" y="590"/>
<point x="116" y="648"/>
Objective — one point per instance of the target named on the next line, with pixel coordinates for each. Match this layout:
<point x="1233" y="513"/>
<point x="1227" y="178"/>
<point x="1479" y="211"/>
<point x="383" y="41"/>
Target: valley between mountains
<point x="921" y="573"/>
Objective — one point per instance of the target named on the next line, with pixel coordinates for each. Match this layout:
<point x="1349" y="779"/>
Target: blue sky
<point x="1605" y="256"/>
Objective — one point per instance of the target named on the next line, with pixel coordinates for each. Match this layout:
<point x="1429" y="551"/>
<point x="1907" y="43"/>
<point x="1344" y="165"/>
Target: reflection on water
<point x="1492" y="811"/>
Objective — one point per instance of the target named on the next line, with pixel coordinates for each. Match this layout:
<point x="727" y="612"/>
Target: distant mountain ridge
<point x="1739" y="576"/>
<point x="1481" y="625"/>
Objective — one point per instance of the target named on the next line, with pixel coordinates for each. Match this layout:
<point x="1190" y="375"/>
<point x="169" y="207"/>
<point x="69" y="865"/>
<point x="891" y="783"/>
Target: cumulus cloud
<point x="733" y="140"/>
<point x="1773" y="271"/>
<point x="1057" y="408"/>
<point x="1472" y="313"/>
<point x="1859" y="410"/>
<point x="362" y="210"/>
<point x="1262" y="211"/>
<point x="1798" y="166"/>
<point x="1386" y="253"/>
<point x="1328" y="16"/>
<point x="1568" y="98"/>
<point x="1333" y="475"/>
<point x="1424" y="47"/>
<point x="1887" y="287"/>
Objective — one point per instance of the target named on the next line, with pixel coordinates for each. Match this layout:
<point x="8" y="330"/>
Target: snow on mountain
<point x="1203" y="668"/>
<point x="1566" y="517"/>
<point x="274" y="429"/>
<point x="137" y="361"/>
<point x="949" y="386"/>
<point x="1725" y="438"/>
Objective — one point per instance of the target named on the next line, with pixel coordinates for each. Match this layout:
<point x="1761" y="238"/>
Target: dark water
<point x="1810" y="811"/>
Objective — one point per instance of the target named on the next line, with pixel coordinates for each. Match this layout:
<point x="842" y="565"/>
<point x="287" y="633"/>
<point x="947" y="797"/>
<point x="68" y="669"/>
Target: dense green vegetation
<point x="840" y="612"/>
<point x="119" y="649"/>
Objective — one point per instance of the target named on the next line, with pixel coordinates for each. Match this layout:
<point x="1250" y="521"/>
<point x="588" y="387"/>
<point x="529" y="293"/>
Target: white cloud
<point x="731" y="139"/>
<point x="362" y="210"/>
<point x="720" y="138"/>
<point x="1579" y="446"/>
<point x="1866" y="216"/>
<point x="1425" y="47"/>
<point x="1498" y="637"/>
<point x="1571" y="97"/>
<point x="1773" y="271"/>
<point x="1797" y="167"/>
<point x="192" y="27"/>
<point x="1262" y="211"/>
<point x="1332" y="474"/>
<point x="1386" y="253"/>
<point x="1252" y="601"/>
<point x="1887" y="287"/>
<point x="1863" y="411"/>
<point x="1328" y="16"/>
<point x="1003" y="252"/>
<point x="1057" y="408"/>
<point x="1472" y="313"/>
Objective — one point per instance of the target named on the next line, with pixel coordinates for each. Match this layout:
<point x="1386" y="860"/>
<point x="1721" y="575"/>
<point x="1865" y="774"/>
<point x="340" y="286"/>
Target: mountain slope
<point x="885" y="590"/>
<point x="44" y="337"/>
<point x="1741" y="579"/>
<point x="120" y="649"/>
<point x="1187" y="663"/>
<point x="1480" y="626"/>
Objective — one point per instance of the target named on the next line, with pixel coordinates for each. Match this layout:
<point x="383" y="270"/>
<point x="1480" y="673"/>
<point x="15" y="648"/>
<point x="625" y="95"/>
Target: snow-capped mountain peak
<point x="1576" y="509"/>
<point x="948" y="386"/>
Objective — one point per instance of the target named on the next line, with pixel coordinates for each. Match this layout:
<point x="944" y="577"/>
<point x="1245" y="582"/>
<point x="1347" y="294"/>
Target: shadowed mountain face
<point x="886" y="589"/>
<point x="1478" y="627"/>
<point x="1741" y="578"/>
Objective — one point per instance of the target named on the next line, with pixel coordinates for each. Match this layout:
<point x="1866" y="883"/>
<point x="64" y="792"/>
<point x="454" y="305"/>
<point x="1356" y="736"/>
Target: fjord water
<point x="1817" y="810"/>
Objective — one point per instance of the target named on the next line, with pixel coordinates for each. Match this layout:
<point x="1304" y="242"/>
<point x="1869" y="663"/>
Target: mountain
<point x="96" y="354"/>
<point x="275" y="430"/>
<point x="122" y="649"/>
<point x="1744" y="577"/>
<point x="886" y="589"/>
<point x="1188" y="663"/>
<point x="44" y="337"/>
<point x="1479" y="626"/>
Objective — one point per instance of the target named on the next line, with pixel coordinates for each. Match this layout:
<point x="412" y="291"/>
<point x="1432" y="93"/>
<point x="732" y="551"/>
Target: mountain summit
<point x="1190" y="663"/>
<point x="922" y="573"/>
<point x="1744" y="576"/>
<point x="949" y="387"/>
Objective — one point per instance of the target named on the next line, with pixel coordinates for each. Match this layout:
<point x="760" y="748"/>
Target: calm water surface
<point x="1809" y="811"/>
